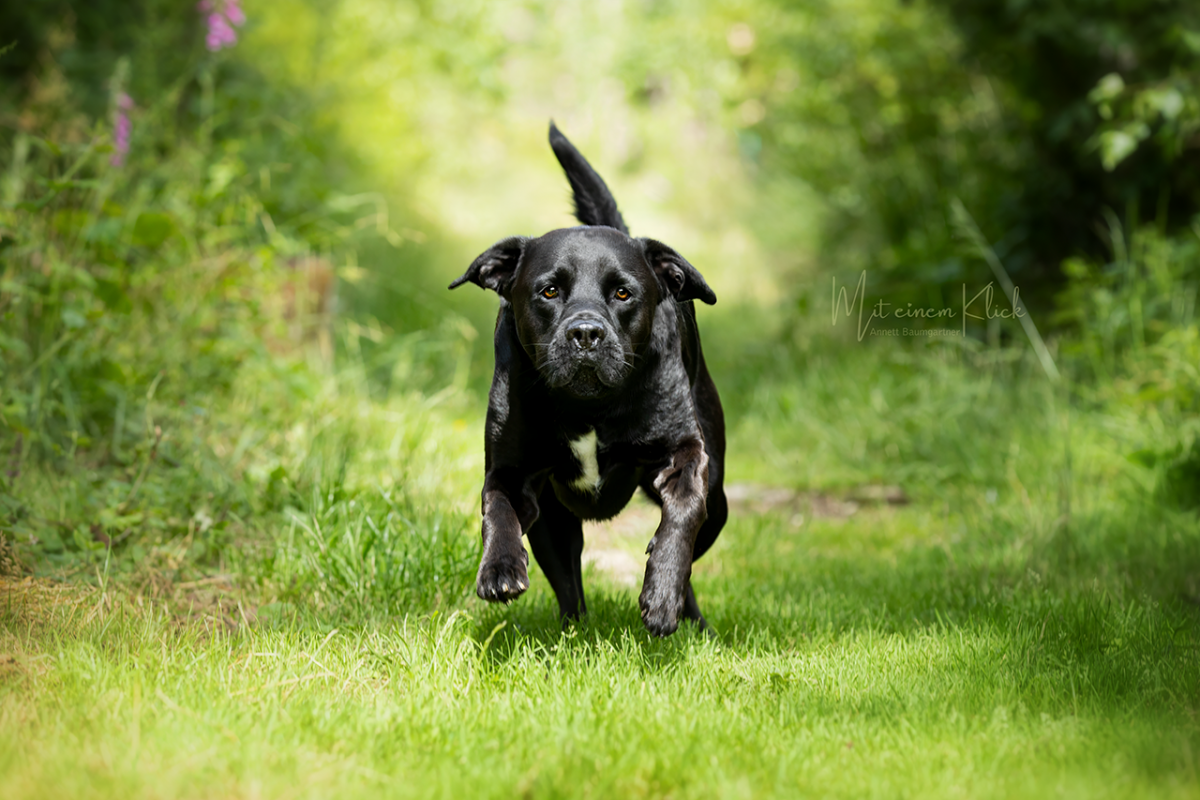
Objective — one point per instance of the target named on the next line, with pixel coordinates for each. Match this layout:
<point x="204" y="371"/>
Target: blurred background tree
<point x="1103" y="98"/>
<point x="1038" y="117"/>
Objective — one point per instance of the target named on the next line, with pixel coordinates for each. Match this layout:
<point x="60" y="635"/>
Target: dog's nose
<point x="585" y="334"/>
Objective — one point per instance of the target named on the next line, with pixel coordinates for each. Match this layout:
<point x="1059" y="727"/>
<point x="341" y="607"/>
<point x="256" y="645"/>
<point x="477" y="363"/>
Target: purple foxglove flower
<point x="220" y="34"/>
<point x="233" y="11"/>
<point x="221" y="16"/>
<point x="122" y="128"/>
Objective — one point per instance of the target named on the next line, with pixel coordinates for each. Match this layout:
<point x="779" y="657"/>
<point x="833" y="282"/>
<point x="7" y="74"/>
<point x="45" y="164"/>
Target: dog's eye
<point x="550" y="292"/>
<point x="622" y="293"/>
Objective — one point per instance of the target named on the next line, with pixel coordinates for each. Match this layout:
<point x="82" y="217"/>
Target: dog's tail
<point x="594" y="203"/>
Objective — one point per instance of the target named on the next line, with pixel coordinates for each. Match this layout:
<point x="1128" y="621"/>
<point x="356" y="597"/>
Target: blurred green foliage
<point x="299" y="199"/>
<point x="1090" y="82"/>
<point x="158" y="40"/>
<point x="135" y="291"/>
<point x="1037" y="117"/>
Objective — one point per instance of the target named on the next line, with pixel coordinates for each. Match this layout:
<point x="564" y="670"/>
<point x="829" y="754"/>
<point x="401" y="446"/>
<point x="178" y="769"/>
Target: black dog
<point x="600" y="387"/>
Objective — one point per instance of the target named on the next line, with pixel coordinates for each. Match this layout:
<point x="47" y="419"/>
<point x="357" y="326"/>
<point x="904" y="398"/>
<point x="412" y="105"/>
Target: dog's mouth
<point x="588" y="382"/>
<point x="586" y="377"/>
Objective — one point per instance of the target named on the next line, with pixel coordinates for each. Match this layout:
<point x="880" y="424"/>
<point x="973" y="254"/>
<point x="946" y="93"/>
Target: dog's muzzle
<point x="586" y="357"/>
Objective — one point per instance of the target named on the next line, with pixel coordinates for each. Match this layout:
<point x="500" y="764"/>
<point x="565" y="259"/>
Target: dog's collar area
<point x="584" y="448"/>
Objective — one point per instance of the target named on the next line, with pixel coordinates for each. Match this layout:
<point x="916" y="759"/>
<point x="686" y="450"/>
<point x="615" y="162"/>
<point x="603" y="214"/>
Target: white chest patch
<point x="584" y="449"/>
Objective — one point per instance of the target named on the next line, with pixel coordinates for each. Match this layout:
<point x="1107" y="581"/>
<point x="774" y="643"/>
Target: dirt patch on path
<point x="616" y="548"/>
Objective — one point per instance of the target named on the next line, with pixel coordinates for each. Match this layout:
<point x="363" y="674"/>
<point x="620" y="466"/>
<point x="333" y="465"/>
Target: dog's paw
<point x="661" y="610"/>
<point x="664" y="588"/>
<point x="503" y="579"/>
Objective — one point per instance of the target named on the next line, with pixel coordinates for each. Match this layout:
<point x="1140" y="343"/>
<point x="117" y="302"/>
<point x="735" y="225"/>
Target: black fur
<point x="597" y="335"/>
<point x="594" y="203"/>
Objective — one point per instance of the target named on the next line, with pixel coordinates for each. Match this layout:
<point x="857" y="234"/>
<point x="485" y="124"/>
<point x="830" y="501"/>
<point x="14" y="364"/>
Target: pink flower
<point x="122" y="128"/>
<point x="221" y="18"/>
<point x="233" y="10"/>
<point x="220" y="34"/>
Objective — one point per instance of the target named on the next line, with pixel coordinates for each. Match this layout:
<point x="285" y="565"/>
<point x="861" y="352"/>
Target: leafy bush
<point x="152" y="254"/>
<point x="1135" y="345"/>
<point x="1035" y="118"/>
<point x="61" y="54"/>
<point x="1066" y="65"/>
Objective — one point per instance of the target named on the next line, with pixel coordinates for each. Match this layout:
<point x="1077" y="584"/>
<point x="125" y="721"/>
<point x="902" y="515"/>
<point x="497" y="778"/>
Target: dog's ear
<point x="675" y="274"/>
<point x="494" y="269"/>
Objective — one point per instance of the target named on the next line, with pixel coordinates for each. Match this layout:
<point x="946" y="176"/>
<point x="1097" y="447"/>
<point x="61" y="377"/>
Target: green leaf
<point x="1107" y="88"/>
<point x="1145" y="458"/>
<point x="11" y="344"/>
<point x="1116" y="146"/>
<point x="113" y="296"/>
<point x="1169" y="102"/>
<point x="73" y="319"/>
<point x="50" y="541"/>
<point x="1192" y="40"/>
<point x="152" y="229"/>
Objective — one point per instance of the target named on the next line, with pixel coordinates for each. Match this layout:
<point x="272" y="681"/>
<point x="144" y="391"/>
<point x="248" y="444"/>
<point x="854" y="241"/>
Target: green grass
<point x="1036" y="640"/>
<point x="841" y="674"/>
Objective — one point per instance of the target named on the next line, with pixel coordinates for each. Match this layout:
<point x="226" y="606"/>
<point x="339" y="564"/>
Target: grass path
<point x="873" y="656"/>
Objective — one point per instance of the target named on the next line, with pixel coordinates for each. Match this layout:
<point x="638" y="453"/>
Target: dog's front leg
<point x="509" y="507"/>
<point x="683" y="487"/>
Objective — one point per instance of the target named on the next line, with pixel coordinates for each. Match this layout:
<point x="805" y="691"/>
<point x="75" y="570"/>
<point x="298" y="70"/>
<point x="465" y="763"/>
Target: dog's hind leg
<point x="718" y="513"/>
<point x="712" y="422"/>
<point x="557" y="543"/>
<point x="691" y="609"/>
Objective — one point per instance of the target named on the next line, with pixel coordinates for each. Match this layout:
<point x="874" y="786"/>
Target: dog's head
<point x="584" y="298"/>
